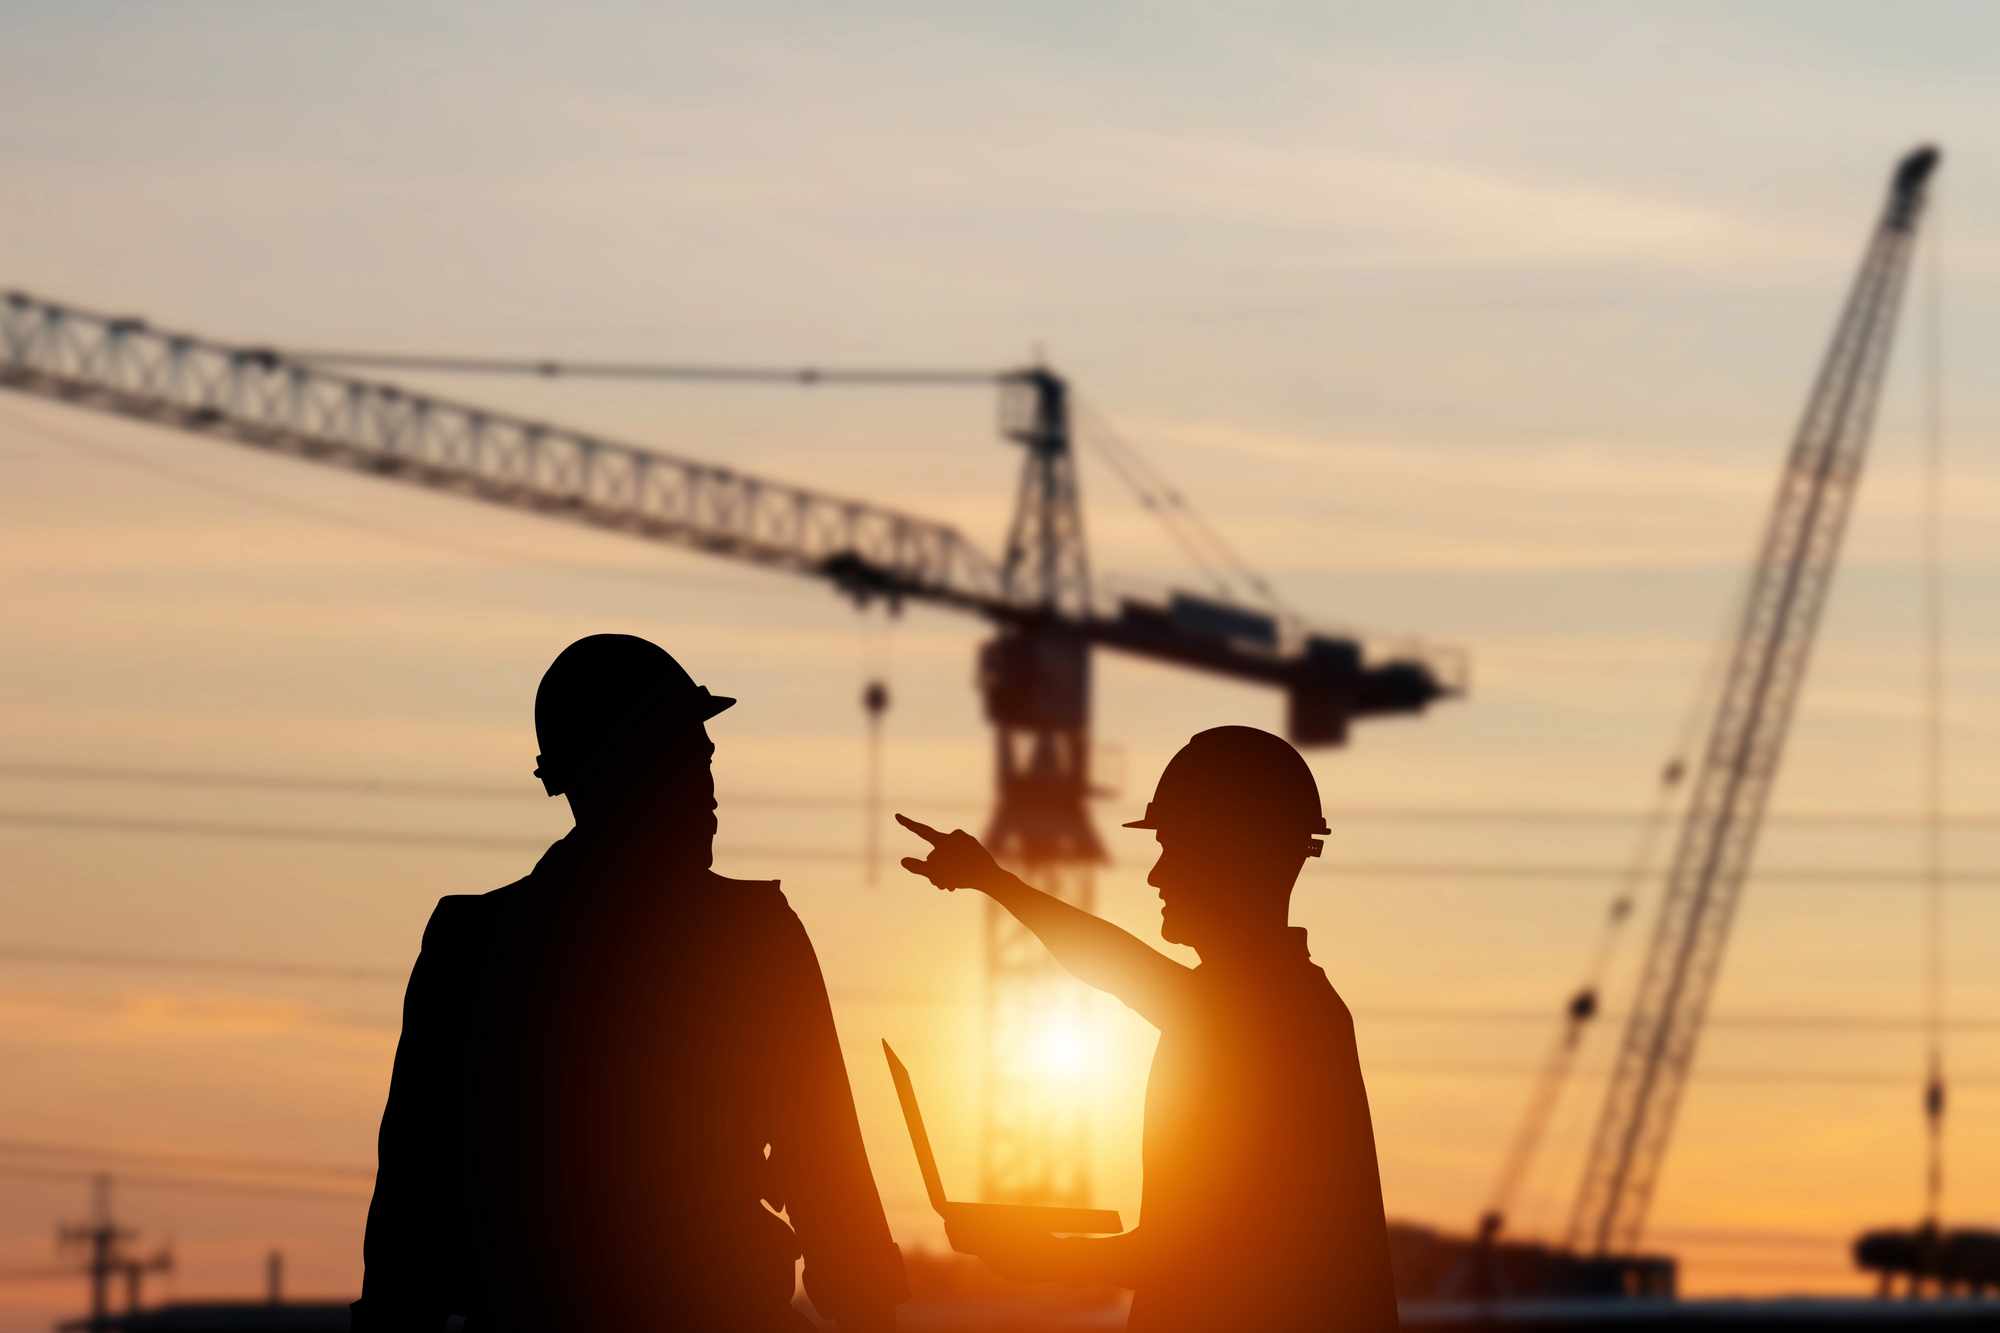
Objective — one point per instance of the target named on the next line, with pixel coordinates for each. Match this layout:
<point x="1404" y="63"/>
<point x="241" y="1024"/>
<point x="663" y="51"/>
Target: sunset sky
<point x="1483" y="323"/>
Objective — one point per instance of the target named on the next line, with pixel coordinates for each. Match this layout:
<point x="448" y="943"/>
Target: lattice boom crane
<point x="1732" y="780"/>
<point x="1034" y="673"/>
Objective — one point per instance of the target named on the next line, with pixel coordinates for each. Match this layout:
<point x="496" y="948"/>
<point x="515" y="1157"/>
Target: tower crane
<point x="1033" y="673"/>
<point x="1731" y="781"/>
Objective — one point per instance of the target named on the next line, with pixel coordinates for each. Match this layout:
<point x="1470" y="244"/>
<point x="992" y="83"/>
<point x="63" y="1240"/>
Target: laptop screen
<point x="926" y="1160"/>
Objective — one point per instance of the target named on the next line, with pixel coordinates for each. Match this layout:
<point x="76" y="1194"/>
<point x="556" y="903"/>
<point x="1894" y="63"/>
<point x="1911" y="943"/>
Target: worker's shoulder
<point x="756" y="915"/>
<point x="756" y="895"/>
<point x="458" y="914"/>
<point x="1315" y="991"/>
<point x="760" y="887"/>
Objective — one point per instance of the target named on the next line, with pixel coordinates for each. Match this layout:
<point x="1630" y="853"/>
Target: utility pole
<point x="103" y="1241"/>
<point x="135" y="1269"/>
<point x="100" y="1238"/>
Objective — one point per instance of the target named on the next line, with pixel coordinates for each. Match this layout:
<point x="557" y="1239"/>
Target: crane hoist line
<point x="1731" y="781"/>
<point x="1034" y="672"/>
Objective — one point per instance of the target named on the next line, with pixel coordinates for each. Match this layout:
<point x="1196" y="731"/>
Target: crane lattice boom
<point x="1774" y="638"/>
<point x="259" y="397"/>
<point x="267" y="399"/>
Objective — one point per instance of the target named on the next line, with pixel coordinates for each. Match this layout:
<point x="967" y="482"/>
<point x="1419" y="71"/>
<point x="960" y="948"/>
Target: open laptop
<point x="986" y="1216"/>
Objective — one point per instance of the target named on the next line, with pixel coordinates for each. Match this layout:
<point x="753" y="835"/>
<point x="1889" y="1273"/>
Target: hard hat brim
<point x="1140" y="823"/>
<point x="713" y="704"/>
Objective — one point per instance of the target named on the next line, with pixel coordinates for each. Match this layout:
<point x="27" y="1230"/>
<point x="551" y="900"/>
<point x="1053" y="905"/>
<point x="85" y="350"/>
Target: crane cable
<point x="539" y="367"/>
<point x="1584" y="1003"/>
<point x="1933" y="628"/>
<point x="878" y="649"/>
<point x="1174" y="501"/>
<point x="1125" y="468"/>
<point x="1159" y="496"/>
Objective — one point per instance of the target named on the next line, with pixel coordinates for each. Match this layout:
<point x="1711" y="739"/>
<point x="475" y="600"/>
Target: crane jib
<point x="1773" y="642"/>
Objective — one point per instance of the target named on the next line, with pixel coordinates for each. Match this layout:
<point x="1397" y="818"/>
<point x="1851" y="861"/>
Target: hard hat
<point x="602" y="687"/>
<point x="1239" y="777"/>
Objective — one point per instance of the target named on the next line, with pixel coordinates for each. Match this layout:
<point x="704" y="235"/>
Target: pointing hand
<point x="956" y="860"/>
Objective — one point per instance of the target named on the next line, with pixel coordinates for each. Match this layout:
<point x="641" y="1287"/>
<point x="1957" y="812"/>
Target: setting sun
<point x="1060" y="1048"/>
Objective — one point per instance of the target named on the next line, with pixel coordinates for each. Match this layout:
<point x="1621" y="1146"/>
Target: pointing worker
<point x="614" y="1073"/>
<point x="1261" y="1205"/>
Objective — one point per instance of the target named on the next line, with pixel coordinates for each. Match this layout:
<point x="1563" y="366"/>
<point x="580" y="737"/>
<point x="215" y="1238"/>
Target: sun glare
<point x="1060" y="1049"/>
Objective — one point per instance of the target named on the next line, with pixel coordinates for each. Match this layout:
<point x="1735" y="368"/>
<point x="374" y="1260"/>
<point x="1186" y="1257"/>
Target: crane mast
<point x="1035" y="676"/>
<point x="1034" y="673"/>
<point x="1732" y="780"/>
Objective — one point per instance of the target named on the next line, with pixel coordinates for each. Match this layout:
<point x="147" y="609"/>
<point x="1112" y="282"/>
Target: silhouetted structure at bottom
<point x="1432" y="1266"/>
<point x="973" y="1307"/>
<point x="1952" y="1262"/>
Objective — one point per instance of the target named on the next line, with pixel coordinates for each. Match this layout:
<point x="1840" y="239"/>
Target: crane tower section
<point x="1035" y="676"/>
<point x="1732" y="780"/>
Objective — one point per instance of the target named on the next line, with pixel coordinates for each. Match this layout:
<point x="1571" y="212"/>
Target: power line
<point x="1466" y="1015"/>
<point x="225" y="1186"/>
<point x="103" y="1157"/>
<point x="250" y="779"/>
<point x="195" y="777"/>
<point x="1762" y="1021"/>
<point x="292" y="969"/>
<point x="304" y="971"/>
<point x="249" y="1165"/>
<point x="189" y="1184"/>
<point x="265" y="780"/>
<point x="233" y="1183"/>
<point x="58" y="819"/>
<point x="1800" y="1077"/>
<point x="1872" y="876"/>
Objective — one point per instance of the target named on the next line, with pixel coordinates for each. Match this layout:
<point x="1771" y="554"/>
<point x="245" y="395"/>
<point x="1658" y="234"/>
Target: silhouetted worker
<point x="608" y="1067"/>
<point x="1262" y="1206"/>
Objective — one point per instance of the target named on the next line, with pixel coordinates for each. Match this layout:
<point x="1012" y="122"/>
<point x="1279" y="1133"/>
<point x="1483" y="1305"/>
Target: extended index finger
<point x="922" y="830"/>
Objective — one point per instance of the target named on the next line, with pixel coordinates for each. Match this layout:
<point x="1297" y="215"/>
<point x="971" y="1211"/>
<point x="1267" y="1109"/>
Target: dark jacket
<point x="604" y="1077"/>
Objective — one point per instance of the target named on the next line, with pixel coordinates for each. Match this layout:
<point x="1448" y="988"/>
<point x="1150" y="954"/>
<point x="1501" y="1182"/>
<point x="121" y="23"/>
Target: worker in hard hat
<point x="1261" y="1205"/>
<point x="614" y="1073"/>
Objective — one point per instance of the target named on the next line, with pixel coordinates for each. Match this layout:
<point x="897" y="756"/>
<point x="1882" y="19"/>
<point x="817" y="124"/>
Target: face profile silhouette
<point x="1236" y="814"/>
<point x="622" y="730"/>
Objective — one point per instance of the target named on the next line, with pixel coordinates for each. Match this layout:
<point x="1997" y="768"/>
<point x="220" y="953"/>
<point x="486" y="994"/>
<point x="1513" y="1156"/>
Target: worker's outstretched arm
<point x="1096" y="951"/>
